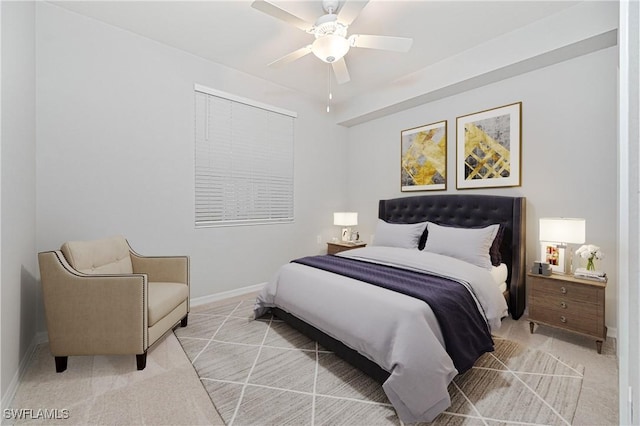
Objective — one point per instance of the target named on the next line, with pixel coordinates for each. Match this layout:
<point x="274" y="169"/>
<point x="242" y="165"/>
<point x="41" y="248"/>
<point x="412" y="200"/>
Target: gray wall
<point x="115" y="153"/>
<point x="18" y="237"/>
<point x="629" y="201"/>
<point x="568" y="151"/>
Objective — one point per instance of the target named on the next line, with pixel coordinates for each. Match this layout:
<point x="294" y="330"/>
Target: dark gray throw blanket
<point x="464" y="329"/>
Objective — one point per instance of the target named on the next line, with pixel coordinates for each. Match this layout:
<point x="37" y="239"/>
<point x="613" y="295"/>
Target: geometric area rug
<point x="263" y="372"/>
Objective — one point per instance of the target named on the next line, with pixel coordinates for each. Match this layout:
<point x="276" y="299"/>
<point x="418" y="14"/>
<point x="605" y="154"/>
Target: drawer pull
<point x="563" y="305"/>
<point x="563" y="319"/>
<point x="563" y="290"/>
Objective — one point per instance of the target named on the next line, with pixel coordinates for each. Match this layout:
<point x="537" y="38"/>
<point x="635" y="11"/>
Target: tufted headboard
<point x="472" y="211"/>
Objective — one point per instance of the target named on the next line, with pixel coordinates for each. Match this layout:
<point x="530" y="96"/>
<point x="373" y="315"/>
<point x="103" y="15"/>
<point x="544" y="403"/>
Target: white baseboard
<point x="196" y="301"/>
<point x="612" y="332"/>
<point x="7" y="398"/>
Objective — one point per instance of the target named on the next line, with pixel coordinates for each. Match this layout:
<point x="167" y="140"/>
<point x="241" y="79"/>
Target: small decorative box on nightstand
<point x="338" y="246"/>
<point x="567" y="302"/>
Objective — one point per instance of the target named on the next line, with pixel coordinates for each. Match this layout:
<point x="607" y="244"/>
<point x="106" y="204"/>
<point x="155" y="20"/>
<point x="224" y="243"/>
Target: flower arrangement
<point x="590" y="252"/>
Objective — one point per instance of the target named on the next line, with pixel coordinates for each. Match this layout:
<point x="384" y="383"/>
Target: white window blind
<point x="243" y="161"/>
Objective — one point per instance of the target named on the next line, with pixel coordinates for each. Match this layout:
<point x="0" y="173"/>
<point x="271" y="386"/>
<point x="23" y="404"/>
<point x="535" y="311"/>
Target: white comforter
<point x="397" y="332"/>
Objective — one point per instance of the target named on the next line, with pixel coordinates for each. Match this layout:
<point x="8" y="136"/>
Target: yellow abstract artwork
<point x="484" y="157"/>
<point x="488" y="143"/>
<point x="424" y="157"/>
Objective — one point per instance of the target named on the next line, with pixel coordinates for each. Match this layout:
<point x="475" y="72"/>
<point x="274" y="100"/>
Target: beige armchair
<point x="102" y="298"/>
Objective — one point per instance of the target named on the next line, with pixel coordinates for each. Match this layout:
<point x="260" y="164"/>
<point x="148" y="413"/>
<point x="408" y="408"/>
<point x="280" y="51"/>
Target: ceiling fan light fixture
<point x="330" y="48"/>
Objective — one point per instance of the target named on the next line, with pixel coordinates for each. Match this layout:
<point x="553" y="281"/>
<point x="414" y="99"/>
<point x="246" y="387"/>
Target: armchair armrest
<point x="173" y="269"/>
<point x="163" y="269"/>
<point x="93" y="314"/>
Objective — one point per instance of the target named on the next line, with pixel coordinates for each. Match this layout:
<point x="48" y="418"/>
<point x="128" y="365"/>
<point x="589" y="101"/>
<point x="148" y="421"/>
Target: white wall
<point x="115" y="153"/>
<point x="629" y="223"/>
<point x="568" y="151"/>
<point x="18" y="236"/>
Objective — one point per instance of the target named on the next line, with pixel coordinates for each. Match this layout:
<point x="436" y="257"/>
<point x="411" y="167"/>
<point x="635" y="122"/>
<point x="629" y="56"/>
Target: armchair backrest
<point x="105" y="256"/>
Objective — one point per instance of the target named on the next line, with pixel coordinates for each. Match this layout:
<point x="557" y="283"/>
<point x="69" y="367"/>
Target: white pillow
<point x="469" y="244"/>
<point x="499" y="273"/>
<point x="401" y="235"/>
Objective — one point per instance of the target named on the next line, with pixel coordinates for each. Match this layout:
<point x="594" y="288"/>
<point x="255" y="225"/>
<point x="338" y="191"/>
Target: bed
<point x="376" y="329"/>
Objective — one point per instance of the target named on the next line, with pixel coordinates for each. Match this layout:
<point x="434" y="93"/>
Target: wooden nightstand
<point x="567" y="302"/>
<point x="337" y="247"/>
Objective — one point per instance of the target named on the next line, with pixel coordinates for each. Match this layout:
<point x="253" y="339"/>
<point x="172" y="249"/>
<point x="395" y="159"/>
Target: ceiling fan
<point x="330" y="30"/>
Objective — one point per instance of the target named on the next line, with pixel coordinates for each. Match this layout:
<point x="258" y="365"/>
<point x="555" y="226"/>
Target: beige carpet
<point x="108" y="390"/>
<point x="265" y="373"/>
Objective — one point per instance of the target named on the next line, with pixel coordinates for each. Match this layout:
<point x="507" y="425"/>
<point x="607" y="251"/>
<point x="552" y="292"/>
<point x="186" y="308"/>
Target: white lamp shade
<point x="562" y="230"/>
<point x="345" y="218"/>
<point x="330" y="48"/>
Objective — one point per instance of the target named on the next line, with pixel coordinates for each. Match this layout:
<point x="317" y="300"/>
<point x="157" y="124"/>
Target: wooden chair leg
<point x="183" y="321"/>
<point x="61" y="363"/>
<point x="141" y="360"/>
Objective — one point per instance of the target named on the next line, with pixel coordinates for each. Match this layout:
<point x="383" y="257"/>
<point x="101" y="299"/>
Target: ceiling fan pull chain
<point x="330" y="94"/>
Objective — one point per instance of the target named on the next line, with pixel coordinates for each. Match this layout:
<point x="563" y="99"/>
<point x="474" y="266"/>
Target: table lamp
<point x="346" y="220"/>
<point x="562" y="231"/>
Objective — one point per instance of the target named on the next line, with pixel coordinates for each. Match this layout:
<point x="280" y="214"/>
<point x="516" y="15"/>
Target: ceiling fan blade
<point x="281" y="14"/>
<point x="398" y="44"/>
<point x="297" y="54"/>
<point x="341" y="71"/>
<point x="350" y="11"/>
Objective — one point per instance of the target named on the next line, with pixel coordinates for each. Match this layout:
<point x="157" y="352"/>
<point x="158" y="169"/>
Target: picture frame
<point x="423" y="158"/>
<point x="488" y="148"/>
<point x="554" y="255"/>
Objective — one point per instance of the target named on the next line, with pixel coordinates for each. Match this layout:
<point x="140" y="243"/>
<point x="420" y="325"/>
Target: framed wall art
<point x="423" y="162"/>
<point x="488" y="145"/>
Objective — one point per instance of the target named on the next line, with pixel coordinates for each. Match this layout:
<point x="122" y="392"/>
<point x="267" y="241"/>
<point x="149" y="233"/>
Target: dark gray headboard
<point x="473" y="211"/>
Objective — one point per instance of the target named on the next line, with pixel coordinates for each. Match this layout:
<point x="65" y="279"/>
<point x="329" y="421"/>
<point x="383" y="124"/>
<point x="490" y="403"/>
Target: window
<point x="243" y="161"/>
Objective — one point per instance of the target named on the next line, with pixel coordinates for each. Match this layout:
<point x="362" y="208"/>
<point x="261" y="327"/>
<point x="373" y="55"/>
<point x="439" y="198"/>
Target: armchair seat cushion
<point x="164" y="297"/>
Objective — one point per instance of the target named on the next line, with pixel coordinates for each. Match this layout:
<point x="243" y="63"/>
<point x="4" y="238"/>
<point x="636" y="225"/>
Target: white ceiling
<point x="234" y="34"/>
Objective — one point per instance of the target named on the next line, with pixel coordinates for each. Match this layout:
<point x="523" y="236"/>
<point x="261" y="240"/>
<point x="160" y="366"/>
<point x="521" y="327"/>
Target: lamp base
<point x="346" y="234"/>
<point x="570" y="268"/>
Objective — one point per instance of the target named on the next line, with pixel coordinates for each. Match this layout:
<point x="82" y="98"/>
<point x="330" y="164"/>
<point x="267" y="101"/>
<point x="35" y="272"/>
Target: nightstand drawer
<point x="570" y="319"/>
<point x="337" y="247"/>
<point x="564" y="290"/>
<point x="566" y="304"/>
